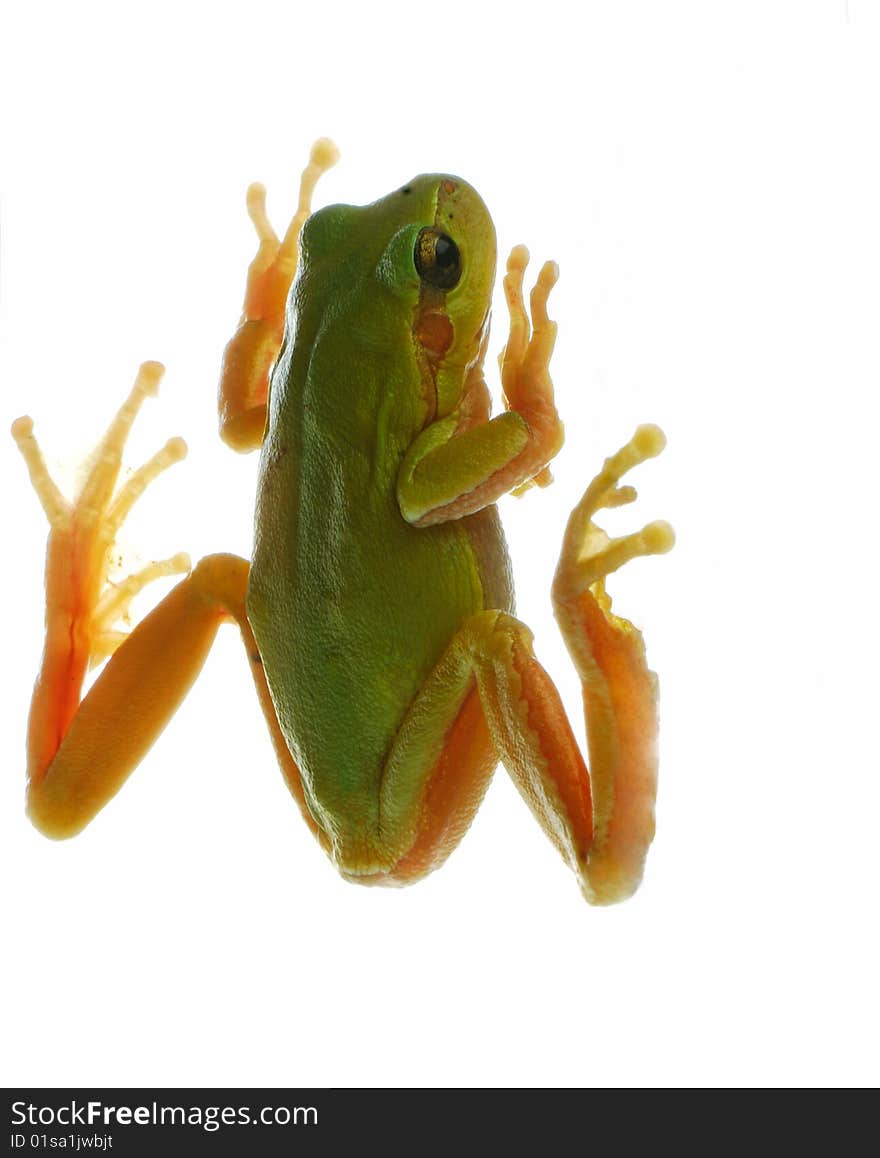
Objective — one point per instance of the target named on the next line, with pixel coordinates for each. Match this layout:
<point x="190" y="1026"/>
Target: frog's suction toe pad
<point x="649" y="440"/>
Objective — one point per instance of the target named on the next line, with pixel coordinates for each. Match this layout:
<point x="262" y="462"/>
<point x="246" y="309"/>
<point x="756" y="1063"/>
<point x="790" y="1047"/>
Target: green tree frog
<point x="377" y="614"/>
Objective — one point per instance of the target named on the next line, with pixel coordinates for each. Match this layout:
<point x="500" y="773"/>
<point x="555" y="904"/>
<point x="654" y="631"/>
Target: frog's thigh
<point x="138" y="691"/>
<point x="488" y="698"/>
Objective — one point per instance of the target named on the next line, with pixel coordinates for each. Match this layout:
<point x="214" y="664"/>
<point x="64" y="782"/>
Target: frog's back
<point x="351" y="606"/>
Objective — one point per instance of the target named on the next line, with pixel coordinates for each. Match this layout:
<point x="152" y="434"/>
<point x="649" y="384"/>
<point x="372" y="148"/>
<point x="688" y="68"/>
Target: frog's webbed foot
<point x="525" y="360"/>
<point x="588" y="554"/>
<point x="84" y="609"/>
<point x="248" y="358"/>
<point x="620" y="692"/>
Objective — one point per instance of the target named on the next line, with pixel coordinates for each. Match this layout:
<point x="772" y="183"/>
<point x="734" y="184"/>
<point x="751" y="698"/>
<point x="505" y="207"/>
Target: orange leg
<point x="80" y="752"/>
<point x="489" y="699"/>
<point x="250" y="354"/>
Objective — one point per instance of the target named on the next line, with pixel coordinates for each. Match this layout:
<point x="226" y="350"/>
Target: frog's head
<point x="414" y="269"/>
<point x="453" y="253"/>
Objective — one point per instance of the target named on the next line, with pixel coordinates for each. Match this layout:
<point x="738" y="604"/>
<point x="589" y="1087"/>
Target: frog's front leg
<point x="489" y="698"/>
<point x="465" y="461"/>
<point x="80" y="752"/>
<point x="251" y="352"/>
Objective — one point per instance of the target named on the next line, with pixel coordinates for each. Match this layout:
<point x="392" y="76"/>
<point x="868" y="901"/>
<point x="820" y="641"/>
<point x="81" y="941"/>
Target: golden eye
<point x="437" y="259"/>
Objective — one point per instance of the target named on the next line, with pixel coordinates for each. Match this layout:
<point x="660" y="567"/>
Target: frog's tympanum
<point x="377" y="613"/>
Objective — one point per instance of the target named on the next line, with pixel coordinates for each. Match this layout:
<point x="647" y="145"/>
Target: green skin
<point x="351" y="605"/>
<point x="377" y="612"/>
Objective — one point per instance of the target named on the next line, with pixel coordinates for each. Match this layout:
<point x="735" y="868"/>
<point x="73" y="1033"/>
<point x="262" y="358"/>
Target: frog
<point x="377" y="613"/>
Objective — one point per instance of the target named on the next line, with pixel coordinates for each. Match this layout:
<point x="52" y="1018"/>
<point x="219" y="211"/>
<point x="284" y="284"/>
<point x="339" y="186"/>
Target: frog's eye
<point x="437" y="259"/>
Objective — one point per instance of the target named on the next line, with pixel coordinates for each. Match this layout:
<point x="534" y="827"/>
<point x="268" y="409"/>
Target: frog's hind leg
<point x="80" y="752"/>
<point x="486" y="699"/>
<point x="82" y="610"/>
<point x="251" y="352"/>
<point x="620" y="692"/>
<point x="489" y="698"/>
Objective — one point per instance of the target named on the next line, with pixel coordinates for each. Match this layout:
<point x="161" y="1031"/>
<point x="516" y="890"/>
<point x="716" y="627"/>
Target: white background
<point x="707" y="177"/>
